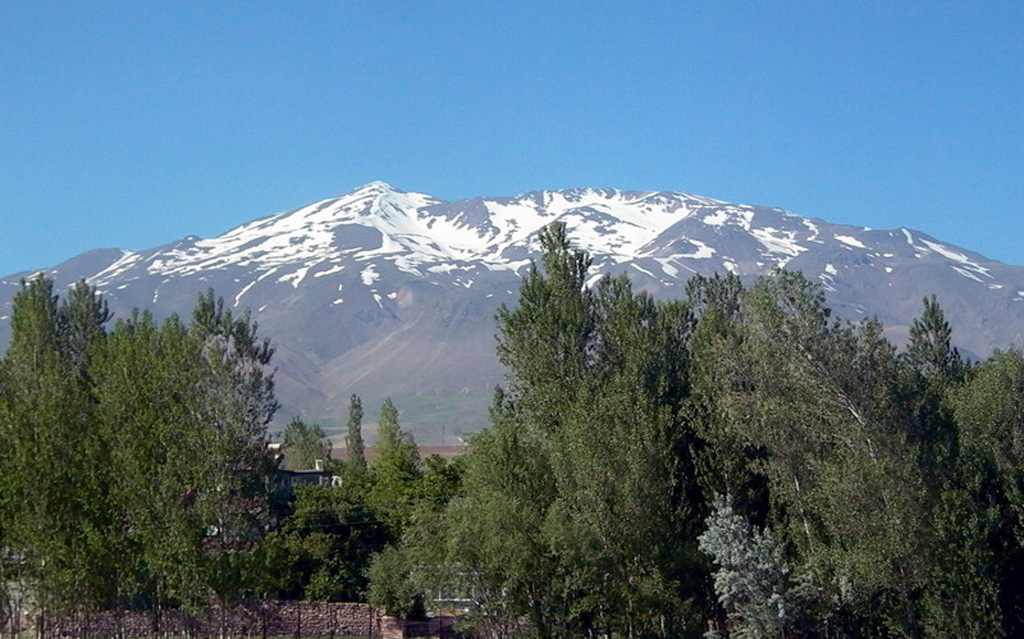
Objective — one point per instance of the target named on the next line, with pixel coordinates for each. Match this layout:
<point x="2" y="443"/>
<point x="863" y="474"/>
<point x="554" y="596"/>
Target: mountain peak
<point x="376" y="187"/>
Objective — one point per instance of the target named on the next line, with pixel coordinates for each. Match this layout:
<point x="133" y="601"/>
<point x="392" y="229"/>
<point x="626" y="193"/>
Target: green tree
<point x="819" y="400"/>
<point x="934" y="369"/>
<point x="82" y="317"/>
<point x="990" y="413"/>
<point x="185" y="409"/>
<point x="146" y="378"/>
<point x="323" y="548"/>
<point x="304" y="444"/>
<point x="136" y="472"/>
<point x="392" y="586"/>
<point x="543" y="341"/>
<point x="355" y="448"/>
<point x="236" y="405"/>
<point x="726" y="460"/>
<point x="394" y="470"/>
<point x="579" y="508"/>
<point x="496" y="551"/>
<point x="50" y="489"/>
<point x="961" y="560"/>
<point x="930" y="350"/>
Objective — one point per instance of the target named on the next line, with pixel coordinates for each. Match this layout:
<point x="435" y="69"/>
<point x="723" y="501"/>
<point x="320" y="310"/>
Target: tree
<point x="960" y="597"/>
<point x="989" y="411"/>
<point x="934" y="370"/>
<point x="751" y="579"/>
<point x="304" y="444"/>
<point x="818" y="400"/>
<point x="726" y="460"/>
<point x="50" y="487"/>
<point x="149" y="385"/>
<point x="579" y="505"/>
<point x="236" y="404"/>
<point x="184" y="409"/>
<point x="496" y="552"/>
<point x="82" y="316"/>
<point x="543" y="341"/>
<point x="392" y="583"/>
<point x="323" y="548"/>
<point x="354" y="445"/>
<point x="930" y="350"/>
<point x="395" y="470"/>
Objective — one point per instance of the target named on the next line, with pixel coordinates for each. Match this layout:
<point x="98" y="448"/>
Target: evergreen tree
<point x="751" y="579"/>
<point x="935" y="368"/>
<point x="83" y="315"/>
<point x="961" y="560"/>
<point x="930" y="350"/>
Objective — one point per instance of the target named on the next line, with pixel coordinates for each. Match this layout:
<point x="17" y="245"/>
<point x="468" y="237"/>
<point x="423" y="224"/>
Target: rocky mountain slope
<point x="383" y="292"/>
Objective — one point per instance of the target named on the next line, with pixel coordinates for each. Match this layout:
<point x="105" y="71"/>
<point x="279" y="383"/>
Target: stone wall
<point x="264" y="619"/>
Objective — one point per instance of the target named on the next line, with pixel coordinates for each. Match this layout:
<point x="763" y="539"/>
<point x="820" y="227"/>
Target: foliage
<point x="872" y="493"/>
<point x="583" y="504"/>
<point x="570" y="499"/>
<point x="323" y="547"/>
<point x="304" y="444"/>
<point x="391" y="586"/>
<point x="355" y="448"/>
<point x="751" y="579"/>
<point x="394" y="471"/>
<point x="137" y="473"/>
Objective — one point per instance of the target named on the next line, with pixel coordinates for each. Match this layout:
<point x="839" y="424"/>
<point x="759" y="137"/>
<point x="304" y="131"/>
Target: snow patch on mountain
<point x="782" y="243"/>
<point x="369" y="275"/>
<point x="122" y="264"/>
<point x="850" y="241"/>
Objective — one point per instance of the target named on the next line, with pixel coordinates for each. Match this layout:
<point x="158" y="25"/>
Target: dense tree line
<point x="134" y="461"/>
<point x="734" y="464"/>
<point x="136" y="472"/>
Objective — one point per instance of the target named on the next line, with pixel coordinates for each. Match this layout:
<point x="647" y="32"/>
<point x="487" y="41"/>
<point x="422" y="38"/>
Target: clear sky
<point x="132" y="124"/>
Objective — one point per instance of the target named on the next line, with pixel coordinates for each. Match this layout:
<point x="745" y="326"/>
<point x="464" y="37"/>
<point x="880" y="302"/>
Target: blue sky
<point x="134" y="124"/>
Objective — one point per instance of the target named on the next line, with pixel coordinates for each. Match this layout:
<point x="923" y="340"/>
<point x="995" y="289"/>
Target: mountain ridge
<point x="383" y="291"/>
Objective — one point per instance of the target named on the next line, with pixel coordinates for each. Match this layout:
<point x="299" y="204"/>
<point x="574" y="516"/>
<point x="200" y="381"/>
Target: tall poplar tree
<point x="354" y="446"/>
<point x="394" y="470"/>
<point x="52" y="485"/>
<point x="579" y="503"/>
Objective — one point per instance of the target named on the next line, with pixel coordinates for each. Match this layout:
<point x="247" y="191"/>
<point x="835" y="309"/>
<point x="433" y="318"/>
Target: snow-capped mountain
<point x="382" y="292"/>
